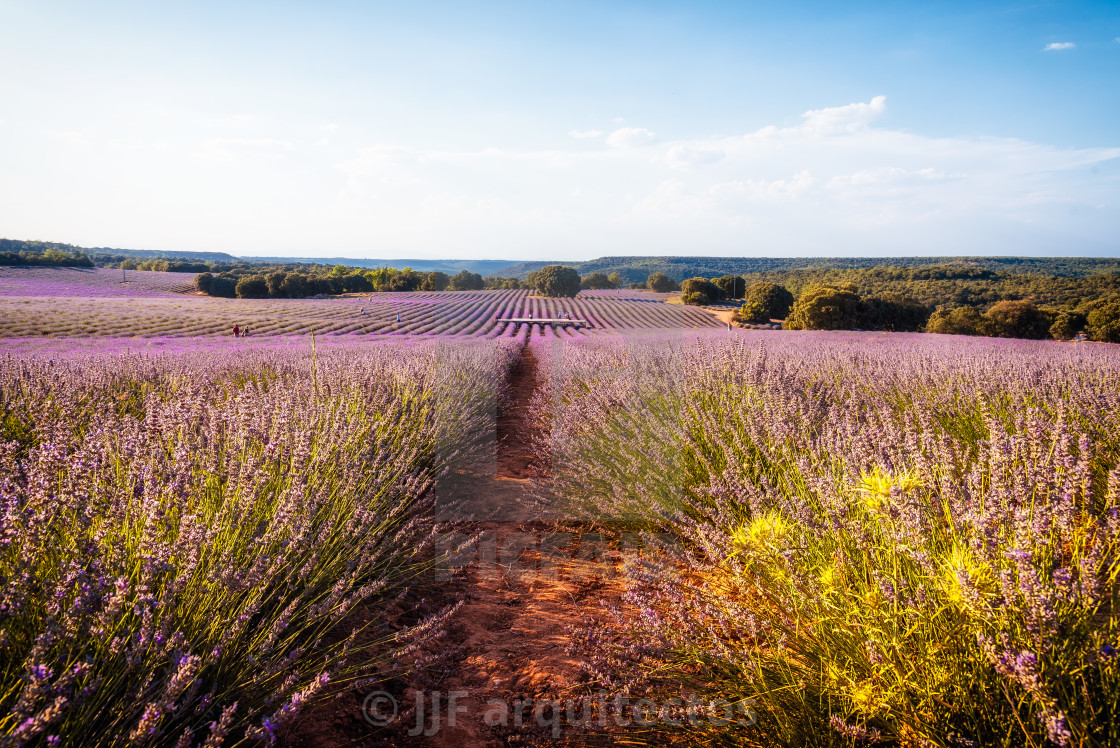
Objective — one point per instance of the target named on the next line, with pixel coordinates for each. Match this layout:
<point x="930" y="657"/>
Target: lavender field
<point x="899" y="539"/>
<point x="195" y="546"/>
<point x="855" y="538"/>
<point x="66" y="303"/>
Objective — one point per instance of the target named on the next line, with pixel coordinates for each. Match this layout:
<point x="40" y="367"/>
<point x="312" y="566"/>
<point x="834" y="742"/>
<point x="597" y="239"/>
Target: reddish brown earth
<point x="523" y="585"/>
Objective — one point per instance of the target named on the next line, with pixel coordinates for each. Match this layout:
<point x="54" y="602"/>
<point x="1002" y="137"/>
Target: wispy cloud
<point x="835" y="183"/>
<point x="1058" y="46"/>
<point x="630" y="137"/>
<point x="225" y="149"/>
<point x="584" y="134"/>
<point x="848" y="118"/>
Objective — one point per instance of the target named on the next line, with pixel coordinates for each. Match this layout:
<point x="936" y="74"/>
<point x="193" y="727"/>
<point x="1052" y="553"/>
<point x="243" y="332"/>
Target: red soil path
<point x="525" y="584"/>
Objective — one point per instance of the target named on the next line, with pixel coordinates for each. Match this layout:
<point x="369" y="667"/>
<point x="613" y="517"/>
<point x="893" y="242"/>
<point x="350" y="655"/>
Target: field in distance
<point x="66" y="302"/>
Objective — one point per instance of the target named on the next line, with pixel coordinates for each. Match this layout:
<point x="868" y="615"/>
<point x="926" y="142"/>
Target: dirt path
<point x="523" y="584"/>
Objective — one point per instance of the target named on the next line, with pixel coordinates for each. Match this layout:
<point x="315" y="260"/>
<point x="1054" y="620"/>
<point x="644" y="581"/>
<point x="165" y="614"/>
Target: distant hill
<point x="482" y="267"/>
<point x="99" y="254"/>
<point x="632" y="269"/>
<point x="637" y="269"/>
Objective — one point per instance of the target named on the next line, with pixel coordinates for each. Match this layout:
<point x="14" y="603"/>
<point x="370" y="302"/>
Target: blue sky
<point x="562" y="130"/>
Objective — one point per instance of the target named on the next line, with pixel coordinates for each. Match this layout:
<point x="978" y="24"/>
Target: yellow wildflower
<point x="876" y="486"/>
<point x="962" y="562"/>
<point x="769" y="529"/>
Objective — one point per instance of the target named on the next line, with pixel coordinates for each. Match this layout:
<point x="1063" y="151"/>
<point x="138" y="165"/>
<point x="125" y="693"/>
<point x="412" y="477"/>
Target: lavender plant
<point x="194" y="546"/>
<point x="864" y="538"/>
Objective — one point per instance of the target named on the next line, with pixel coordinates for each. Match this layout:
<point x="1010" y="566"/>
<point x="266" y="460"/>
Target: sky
<point x="562" y="130"/>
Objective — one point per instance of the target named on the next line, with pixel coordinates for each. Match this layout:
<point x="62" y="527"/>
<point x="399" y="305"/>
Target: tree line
<point x="314" y="280"/>
<point x="305" y="281"/>
<point x="844" y="306"/>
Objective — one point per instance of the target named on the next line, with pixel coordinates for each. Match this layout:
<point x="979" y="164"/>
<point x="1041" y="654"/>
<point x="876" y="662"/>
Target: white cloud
<point x="1058" y="46"/>
<point x="630" y="137"/>
<point x="837" y="183"/>
<point x="583" y="134"/>
<point x="226" y="149"/>
<point x="689" y="156"/>
<point x="848" y="118"/>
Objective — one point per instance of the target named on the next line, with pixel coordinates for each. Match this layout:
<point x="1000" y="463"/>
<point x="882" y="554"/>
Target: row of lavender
<point x="61" y="282"/>
<point x="195" y="545"/>
<point x="447" y="314"/>
<point x="910" y="539"/>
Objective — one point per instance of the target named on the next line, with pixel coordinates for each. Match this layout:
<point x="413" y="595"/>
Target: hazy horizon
<point x="517" y="132"/>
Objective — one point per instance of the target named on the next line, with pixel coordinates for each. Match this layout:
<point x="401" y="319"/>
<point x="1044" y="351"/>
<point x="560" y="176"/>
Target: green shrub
<point x="597" y="282"/>
<point x="894" y="312"/>
<point x="555" y="280"/>
<point x="696" y="298"/>
<point x="775" y="299"/>
<point x="695" y="287"/>
<point x="753" y="313"/>
<point x="1067" y="325"/>
<point x="252" y="287"/>
<point x="826" y="308"/>
<point x="465" y="280"/>
<point x="1018" y="319"/>
<point x="435" y="281"/>
<point x="661" y="283"/>
<point x="1104" y="322"/>
<point x="962" y="320"/>
<point x="731" y="286"/>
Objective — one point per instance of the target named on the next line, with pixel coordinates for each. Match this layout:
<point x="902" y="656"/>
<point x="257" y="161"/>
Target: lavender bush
<point x="191" y="544"/>
<point x="865" y="538"/>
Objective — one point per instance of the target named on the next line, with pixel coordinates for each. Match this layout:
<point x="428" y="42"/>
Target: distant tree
<point x="224" y="286"/>
<point x="380" y="278"/>
<point x="699" y="291"/>
<point x="1104" y="321"/>
<point x="556" y="280"/>
<point x="894" y="312"/>
<point x="661" y="283"/>
<point x="775" y="299"/>
<point x="295" y="285"/>
<point x="1018" y="319"/>
<point x="1067" y="325"/>
<point x="202" y="282"/>
<point x="496" y="283"/>
<point x="961" y="320"/>
<point x="356" y="283"/>
<point x="435" y="281"/>
<point x="731" y="286"/>
<point x="252" y="287"/>
<point x="405" y="280"/>
<point x="130" y="265"/>
<point x="615" y="280"/>
<point x="275" y="282"/>
<point x="597" y="282"/>
<point x="465" y="280"/>
<point x="826" y="308"/>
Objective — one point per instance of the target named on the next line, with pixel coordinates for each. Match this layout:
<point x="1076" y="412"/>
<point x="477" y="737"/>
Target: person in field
<point x="236" y="331"/>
